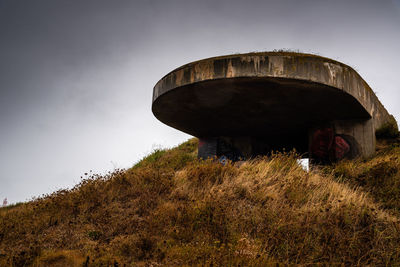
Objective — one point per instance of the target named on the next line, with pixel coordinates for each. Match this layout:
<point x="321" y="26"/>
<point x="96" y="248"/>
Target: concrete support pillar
<point x="342" y="139"/>
<point x="361" y="131"/>
<point x="207" y="148"/>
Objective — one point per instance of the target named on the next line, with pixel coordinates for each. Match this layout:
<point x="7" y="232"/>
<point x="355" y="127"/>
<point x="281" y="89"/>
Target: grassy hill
<point x="171" y="209"/>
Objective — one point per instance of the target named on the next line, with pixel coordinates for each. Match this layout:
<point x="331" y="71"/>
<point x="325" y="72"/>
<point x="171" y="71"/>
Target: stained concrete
<point x="270" y="99"/>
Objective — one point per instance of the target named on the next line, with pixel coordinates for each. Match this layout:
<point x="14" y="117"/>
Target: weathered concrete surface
<point x="273" y="96"/>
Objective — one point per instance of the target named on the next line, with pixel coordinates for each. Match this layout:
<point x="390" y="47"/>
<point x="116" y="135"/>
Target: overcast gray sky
<point x="76" y="76"/>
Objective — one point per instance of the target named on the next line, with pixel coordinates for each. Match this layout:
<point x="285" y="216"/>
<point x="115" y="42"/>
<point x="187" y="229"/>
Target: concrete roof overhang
<point x="261" y="94"/>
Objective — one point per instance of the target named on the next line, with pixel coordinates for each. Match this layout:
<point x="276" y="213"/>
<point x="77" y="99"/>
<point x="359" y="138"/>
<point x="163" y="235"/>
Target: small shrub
<point x="388" y="129"/>
<point x="94" y="235"/>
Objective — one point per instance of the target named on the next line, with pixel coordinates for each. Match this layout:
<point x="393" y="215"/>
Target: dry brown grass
<point x="378" y="175"/>
<point x="172" y="210"/>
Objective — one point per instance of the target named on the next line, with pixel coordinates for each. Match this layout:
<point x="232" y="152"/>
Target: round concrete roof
<point x="269" y="93"/>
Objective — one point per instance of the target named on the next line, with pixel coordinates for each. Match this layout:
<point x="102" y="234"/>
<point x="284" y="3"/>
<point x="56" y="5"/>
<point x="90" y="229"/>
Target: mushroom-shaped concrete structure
<point x="244" y="105"/>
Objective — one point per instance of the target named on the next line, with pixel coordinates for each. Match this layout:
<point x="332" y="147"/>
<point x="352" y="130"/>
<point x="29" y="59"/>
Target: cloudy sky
<point x="76" y="76"/>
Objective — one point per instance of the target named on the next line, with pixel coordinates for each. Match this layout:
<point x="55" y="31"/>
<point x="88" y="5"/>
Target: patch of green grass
<point x="388" y="129"/>
<point x="11" y="206"/>
<point x="175" y="158"/>
<point x="151" y="158"/>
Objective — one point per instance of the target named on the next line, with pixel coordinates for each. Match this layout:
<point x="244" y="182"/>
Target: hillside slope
<point x="170" y="209"/>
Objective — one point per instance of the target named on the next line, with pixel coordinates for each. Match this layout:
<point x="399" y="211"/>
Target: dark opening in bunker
<point x="320" y="144"/>
<point x="242" y="148"/>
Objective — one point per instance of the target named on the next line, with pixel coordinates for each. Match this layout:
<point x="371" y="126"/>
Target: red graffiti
<point x="322" y="143"/>
<point x="327" y="146"/>
<point x="201" y="142"/>
<point x="341" y="147"/>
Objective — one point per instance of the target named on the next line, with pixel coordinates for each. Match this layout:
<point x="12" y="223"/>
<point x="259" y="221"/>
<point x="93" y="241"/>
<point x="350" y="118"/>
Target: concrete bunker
<point x="244" y="105"/>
